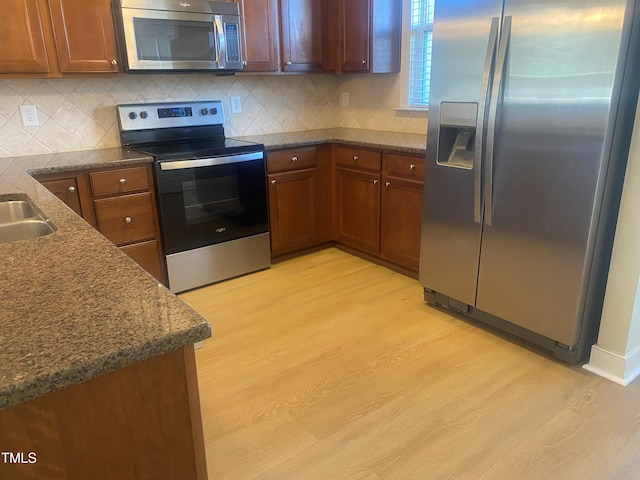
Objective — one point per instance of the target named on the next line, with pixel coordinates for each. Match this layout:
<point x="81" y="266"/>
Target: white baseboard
<point x="617" y="368"/>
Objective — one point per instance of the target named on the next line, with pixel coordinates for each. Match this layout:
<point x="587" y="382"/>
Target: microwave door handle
<point x="219" y="44"/>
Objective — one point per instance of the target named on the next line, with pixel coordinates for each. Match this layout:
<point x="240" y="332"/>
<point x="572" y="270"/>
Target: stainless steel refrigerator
<point x="531" y="112"/>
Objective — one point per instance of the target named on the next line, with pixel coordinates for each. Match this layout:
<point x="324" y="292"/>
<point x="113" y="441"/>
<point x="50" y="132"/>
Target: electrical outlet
<point x="236" y="105"/>
<point x="29" y="115"/>
<point x="344" y="101"/>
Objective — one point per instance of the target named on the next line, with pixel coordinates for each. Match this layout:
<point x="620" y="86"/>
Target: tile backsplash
<point x="79" y="114"/>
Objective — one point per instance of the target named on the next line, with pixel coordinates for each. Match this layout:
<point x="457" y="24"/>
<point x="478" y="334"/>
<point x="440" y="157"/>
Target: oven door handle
<point x="210" y="162"/>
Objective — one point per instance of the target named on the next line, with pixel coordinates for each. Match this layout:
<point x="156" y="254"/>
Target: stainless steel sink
<point x="15" y="210"/>
<point x="20" y="219"/>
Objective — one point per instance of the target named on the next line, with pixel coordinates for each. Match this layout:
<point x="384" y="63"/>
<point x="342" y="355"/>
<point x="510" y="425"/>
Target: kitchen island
<point x="97" y="369"/>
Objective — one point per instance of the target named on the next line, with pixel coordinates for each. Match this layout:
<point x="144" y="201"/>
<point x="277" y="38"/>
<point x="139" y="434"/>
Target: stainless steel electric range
<point x="212" y="197"/>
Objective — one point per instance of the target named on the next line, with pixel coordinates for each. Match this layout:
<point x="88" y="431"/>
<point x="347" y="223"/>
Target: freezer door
<point x="464" y="41"/>
<point x="543" y="193"/>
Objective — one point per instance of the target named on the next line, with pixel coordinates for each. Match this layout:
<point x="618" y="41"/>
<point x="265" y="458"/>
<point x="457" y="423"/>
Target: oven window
<point x="172" y="40"/>
<point x="208" y="205"/>
<point x="209" y="197"/>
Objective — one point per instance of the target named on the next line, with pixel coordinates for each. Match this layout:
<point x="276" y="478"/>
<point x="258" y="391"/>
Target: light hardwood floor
<point x="329" y="367"/>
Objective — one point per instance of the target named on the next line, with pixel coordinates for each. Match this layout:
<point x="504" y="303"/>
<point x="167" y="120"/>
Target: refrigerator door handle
<point x="493" y="114"/>
<point x="482" y="108"/>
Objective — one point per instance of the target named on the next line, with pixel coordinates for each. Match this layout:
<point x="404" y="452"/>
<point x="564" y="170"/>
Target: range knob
<point x="204" y="111"/>
<point x="214" y="111"/>
<point x="133" y="115"/>
<point x="144" y="114"/>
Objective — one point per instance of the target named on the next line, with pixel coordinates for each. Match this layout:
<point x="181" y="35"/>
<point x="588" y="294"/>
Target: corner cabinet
<point x="50" y="38"/>
<point x="305" y="36"/>
<point x="299" y="181"/>
<point x="121" y="204"/>
<point x="260" y="35"/>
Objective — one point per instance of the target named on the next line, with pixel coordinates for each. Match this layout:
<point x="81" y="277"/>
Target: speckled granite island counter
<point x="85" y="333"/>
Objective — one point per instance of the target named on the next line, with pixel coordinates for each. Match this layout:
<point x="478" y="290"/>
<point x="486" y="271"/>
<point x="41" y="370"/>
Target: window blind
<point x="420" y="41"/>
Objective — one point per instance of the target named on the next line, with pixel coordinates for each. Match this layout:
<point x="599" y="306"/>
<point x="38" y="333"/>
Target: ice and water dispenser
<point x="457" y="135"/>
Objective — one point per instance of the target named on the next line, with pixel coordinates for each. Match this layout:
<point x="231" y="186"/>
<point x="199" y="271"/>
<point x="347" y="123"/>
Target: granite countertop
<point x="74" y="306"/>
<point x="401" y="142"/>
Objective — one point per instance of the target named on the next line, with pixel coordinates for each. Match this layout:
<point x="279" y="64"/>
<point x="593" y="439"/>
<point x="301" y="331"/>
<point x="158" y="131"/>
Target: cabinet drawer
<point x="126" y="219"/>
<point x="357" y="158"/>
<point x="291" y="159"/>
<point x="404" y="166"/>
<point x="122" y="180"/>
<point x="147" y="255"/>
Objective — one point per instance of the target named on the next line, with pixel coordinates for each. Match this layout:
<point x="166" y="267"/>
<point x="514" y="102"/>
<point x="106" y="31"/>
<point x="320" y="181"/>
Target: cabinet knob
<point x="122" y="181"/>
<point x="273" y="182"/>
<point x="386" y="184"/>
<point x="288" y="64"/>
<point x="364" y="62"/>
<point x="72" y="189"/>
<point x="294" y="159"/>
<point x="355" y="158"/>
<point x="128" y="219"/>
<point x="244" y="63"/>
<point x="412" y="167"/>
<point x="114" y="62"/>
<point x="375" y="182"/>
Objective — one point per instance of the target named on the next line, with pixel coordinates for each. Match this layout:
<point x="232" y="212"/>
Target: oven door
<point x="165" y="40"/>
<point x="211" y="200"/>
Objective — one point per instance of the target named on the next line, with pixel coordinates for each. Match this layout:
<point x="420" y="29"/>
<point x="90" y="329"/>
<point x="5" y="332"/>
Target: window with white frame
<point x="420" y="41"/>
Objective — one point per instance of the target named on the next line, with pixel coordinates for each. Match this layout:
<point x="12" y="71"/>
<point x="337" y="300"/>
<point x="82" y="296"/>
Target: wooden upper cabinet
<point x="22" y="44"/>
<point x="260" y="34"/>
<point x="370" y="33"/>
<point x="305" y="36"/>
<point x="84" y="36"/>
<point x="354" y="38"/>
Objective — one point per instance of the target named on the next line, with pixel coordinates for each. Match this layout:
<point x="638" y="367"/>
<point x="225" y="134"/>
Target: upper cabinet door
<point x="304" y="36"/>
<point x="22" y="46"/>
<point x="260" y="46"/>
<point x="355" y="37"/>
<point x="84" y="36"/>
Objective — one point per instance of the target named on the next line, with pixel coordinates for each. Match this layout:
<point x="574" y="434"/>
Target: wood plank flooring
<point x="329" y="367"/>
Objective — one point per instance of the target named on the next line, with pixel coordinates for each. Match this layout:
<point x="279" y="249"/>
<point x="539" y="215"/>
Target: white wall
<point x="616" y="355"/>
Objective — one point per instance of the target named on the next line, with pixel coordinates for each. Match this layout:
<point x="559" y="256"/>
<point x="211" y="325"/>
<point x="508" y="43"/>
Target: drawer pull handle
<point x="72" y="189"/>
<point x="294" y="159"/>
<point x="128" y="219"/>
<point x="122" y="181"/>
<point x="412" y="167"/>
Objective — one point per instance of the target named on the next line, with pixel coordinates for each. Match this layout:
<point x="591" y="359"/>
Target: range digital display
<point x="175" y="112"/>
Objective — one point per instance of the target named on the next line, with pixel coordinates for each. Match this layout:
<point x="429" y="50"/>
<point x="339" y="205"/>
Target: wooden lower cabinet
<point x="66" y="189"/>
<point x="357" y="221"/>
<point x="400" y="221"/>
<point x="146" y="255"/>
<point x="142" y="421"/>
<point x="299" y="197"/>
<point x="121" y="204"/>
<point x="292" y="208"/>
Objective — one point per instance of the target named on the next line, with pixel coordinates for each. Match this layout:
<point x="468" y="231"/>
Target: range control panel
<point x="145" y="116"/>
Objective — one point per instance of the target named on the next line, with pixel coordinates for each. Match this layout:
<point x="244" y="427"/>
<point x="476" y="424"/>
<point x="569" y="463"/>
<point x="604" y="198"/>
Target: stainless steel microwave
<point x="181" y="35"/>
